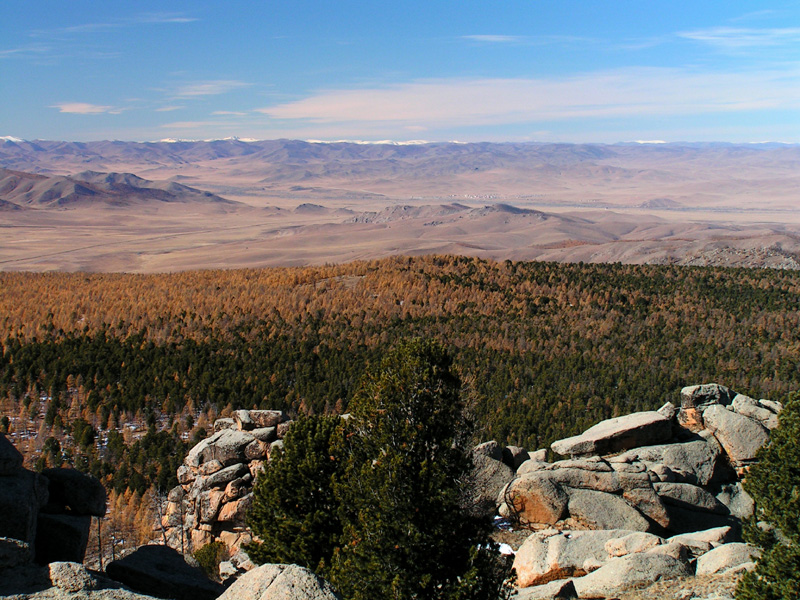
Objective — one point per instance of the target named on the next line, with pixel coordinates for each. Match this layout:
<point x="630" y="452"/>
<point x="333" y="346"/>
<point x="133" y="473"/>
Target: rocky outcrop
<point x="642" y="496"/>
<point x="615" y="435"/>
<point x="668" y="471"/>
<point x="598" y="564"/>
<point x="216" y="480"/>
<point x="280" y="582"/>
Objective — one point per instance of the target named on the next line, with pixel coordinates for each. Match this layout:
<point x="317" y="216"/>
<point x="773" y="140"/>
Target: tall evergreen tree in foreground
<point x="774" y="484"/>
<point x="406" y="534"/>
<point x="294" y="511"/>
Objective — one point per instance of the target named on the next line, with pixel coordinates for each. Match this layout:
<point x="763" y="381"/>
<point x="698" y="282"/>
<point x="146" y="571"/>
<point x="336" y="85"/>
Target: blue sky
<point x="534" y="70"/>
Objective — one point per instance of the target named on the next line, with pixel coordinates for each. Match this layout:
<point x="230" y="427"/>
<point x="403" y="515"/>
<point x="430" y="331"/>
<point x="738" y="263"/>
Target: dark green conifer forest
<point x="545" y="350"/>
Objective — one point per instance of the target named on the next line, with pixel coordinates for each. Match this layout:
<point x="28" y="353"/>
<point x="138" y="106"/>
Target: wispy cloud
<point x="25" y="51"/>
<point x="737" y="38"/>
<point x="493" y="39"/>
<point x="168" y="108"/>
<point x="209" y="88"/>
<point x="163" y="17"/>
<point x="140" y="19"/>
<point x="232" y="113"/>
<point x="615" y="93"/>
<point x="84" y="108"/>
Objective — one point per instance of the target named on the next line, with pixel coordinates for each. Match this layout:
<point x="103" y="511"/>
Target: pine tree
<point x="294" y="511"/>
<point x="405" y="533"/>
<point x="774" y="484"/>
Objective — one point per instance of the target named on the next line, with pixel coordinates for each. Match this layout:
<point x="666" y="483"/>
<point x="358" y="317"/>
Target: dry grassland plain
<point x="731" y="206"/>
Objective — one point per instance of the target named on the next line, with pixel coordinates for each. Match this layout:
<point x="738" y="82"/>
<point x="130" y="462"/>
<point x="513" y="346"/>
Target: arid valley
<point x="290" y="203"/>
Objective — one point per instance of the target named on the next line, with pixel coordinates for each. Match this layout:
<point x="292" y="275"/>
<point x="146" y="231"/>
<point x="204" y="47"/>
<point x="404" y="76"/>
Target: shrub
<point x="774" y="484"/>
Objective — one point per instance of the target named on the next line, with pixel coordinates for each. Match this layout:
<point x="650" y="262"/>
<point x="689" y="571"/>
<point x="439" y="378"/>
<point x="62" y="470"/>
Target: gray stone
<point x="280" y="582"/>
<point x="224" y="423"/>
<point x="691" y="497"/>
<point x="562" y="589"/>
<point x="185" y="475"/>
<point x="256" y="450"/>
<point x="209" y="468"/>
<point x="491" y="449"/>
<point x="176" y="494"/>
<point x="713" y="537"/>
<point x="591" y="463"/>
<point x="514" y="456"/>
<point x="676" y="550"/>
<point x="276" y="446"/>
<point x="10" y="457"/>
<point x="538" y="455"/>
<point x="534" y="499"/>
<point x="693" y="461"/>
<point x="632" y="543"/>
<point x="738" y="502"/>
<point x="701" y="396"/>
<point x="227" y="570"/>
<point x="208" y="504"/>
<point x="13" y="553"/>
<point x="668" y="410"/>
<point x="71" y="577"/>
<point x="487" y="479"/>
<point x="161" y="571"/>
<point x="739" y="436"/>
<point x="62" y="538"/>
<point x="661" y="473"/>
<point x="599" y="510"/>
<point x="530" y="466"/>
<point x="541" y="496"/>
<point x="21" y="496"/>
<point x="629" y="570"/>
<point x="243" y="420"/>
<point x="265" y="434"/>
<point x="772" y="405"/>
<point x="81" y="493"/>
<point x="726" y="557"/>
<point x="227" y="446"/>
<point x="749" y="407"/>
<point x="615" y="435"/>
<point x="550" y="555"/>
<point x="267" y="418"/>
<point x="221" y="478"/>
<point x="241" y="561"/>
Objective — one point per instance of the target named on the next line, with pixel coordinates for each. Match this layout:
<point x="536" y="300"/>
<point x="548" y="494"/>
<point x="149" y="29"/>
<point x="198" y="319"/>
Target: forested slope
<point x="547" y="349"/>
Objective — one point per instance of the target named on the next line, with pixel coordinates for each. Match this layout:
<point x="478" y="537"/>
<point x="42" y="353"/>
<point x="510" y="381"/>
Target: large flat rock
<point x="618" y="434"/>
<point x="632" y="569"/>
<point x="552" y="554"/>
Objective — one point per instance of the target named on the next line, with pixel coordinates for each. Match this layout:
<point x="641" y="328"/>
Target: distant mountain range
<point x="646" y="175"/>
<point x="19" y="189"/>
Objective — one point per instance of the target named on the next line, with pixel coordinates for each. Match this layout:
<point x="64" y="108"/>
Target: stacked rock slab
<point x="669" y="478"/>
<point x="216" y="480"/>
<point x="668" y="471"/>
